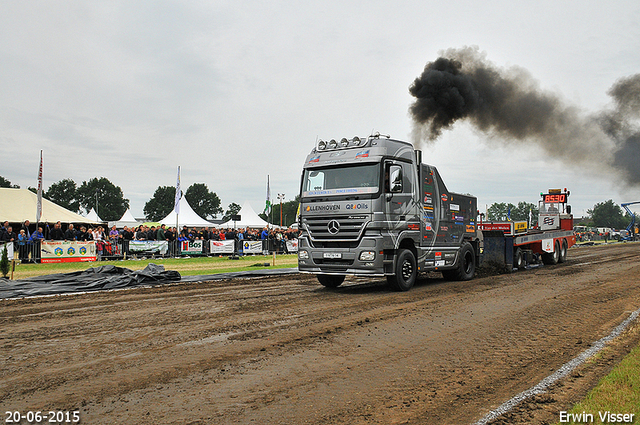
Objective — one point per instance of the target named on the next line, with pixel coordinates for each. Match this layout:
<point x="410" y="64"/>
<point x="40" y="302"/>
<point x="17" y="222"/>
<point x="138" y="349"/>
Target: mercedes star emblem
<point x="333" y="226"/>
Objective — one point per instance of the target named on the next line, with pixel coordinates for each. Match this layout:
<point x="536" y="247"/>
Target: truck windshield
<point x="352" y="180"/>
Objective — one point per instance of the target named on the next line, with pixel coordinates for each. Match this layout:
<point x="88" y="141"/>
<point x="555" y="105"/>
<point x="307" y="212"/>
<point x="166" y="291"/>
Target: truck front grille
<point x="335" y="228"/>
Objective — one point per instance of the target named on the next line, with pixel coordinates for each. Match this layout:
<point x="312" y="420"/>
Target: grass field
<point x="186" y="266"/>
<point x="617" y="393"/>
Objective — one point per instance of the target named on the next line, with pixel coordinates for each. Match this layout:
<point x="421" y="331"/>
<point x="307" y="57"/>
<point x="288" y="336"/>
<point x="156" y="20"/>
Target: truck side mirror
<point x="395" y="179"/>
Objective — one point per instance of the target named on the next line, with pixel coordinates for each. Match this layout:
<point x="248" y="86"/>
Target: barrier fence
<point x="74" y="251"/>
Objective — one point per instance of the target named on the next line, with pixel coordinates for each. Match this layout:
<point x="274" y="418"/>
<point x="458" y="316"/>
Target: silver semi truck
<point x="369" y="207"/>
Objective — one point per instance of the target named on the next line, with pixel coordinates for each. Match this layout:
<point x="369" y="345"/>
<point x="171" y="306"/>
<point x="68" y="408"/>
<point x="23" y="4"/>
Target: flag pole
<point x="177" y="206"/>
<point x="39" y="203"/>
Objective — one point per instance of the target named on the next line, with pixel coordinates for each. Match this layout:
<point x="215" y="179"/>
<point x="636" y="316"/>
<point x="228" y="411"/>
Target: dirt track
<point x="286" y="350"/>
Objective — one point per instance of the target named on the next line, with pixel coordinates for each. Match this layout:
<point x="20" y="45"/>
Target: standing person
<point x="114" y="235"/>
<point x="97" y="237"/>
<point x="56" y="233"/>
<point x="170" y="236"/>
<point x="160" y="233"/>
<point x="239" y="239"/>
<point x="70" y="233"/>
<point x="34" y="241"/>
<point x="3" y="229"/>
<point x="127" y="234"/>
<point x="205" y="239"/>
<point x="25" y="227"/>
<point x="8" y="235"/>
<point x="23" y="253"/>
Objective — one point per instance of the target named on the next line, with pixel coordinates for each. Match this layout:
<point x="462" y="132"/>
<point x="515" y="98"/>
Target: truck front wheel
<point x="466" y="265"/>
<point x="405" y="272"/>
<point x="330" y="280"/>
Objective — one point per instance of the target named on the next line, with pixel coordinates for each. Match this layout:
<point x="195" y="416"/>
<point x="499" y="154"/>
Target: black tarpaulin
<point x="93" y="279"/>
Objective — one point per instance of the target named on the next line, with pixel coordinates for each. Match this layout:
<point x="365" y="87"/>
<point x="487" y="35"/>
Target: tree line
<point x="110" y="203"/>
<point x="603" y="214"/>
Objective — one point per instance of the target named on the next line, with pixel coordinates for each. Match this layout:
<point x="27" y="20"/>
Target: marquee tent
<point x="93" y="216"/>
<point x="18" y="205"/>
<point x="249" y="218"/>
<point x="127" y="219"/>
<point x="187" y="217"/>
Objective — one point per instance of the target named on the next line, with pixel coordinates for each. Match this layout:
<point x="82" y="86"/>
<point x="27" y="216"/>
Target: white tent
<point x="248" y="217"/>
<point x="187" y="217"/>
<point x="18" y="205"/>
<point x="127" y="219"/>
<point x="93" y="216"/>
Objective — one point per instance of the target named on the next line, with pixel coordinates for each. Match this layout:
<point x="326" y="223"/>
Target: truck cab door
<point x="398" y="191"/>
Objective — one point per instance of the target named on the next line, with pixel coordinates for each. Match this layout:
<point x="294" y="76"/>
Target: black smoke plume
<point x="510" y="107"/>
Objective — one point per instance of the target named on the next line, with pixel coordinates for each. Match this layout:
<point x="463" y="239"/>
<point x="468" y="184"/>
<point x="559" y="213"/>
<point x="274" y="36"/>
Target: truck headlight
<point x="303" y="255"/>
<point x="367" y="255"/>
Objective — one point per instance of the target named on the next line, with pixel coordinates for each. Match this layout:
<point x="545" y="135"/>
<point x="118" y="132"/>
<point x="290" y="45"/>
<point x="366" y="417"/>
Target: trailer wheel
<point x="466" y="267"/>
<point x="405" y="272"/>
<point x="330" y="280"/>
<point x="552" y="258"/>
<point x="518" y="259"/>
<point x="563" y="252"/>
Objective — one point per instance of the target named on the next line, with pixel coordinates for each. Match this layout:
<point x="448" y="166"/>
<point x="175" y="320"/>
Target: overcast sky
<point x="233" y="91"/>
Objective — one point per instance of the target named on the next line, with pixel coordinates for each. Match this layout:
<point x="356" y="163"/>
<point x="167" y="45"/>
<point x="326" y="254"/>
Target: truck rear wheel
<point x="330" y="280"/>
<point x="551" y="258"/>
<point x="518" y="259"/>
<point x="466" y="267"/>
<point x="405" y="271"/>
<point x="563" y="252"/>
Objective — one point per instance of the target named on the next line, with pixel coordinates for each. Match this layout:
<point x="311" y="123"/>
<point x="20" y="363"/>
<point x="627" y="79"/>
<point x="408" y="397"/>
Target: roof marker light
<point x="344" y="142"/>
<point x="333" y="144"/>
<point x="322" y="145"/>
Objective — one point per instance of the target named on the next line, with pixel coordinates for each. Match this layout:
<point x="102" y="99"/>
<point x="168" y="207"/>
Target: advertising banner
<point x="191" y="247"/>
<point x="221" y="247"/>
<point x="252" y="247"/>
<point x="152" y="247"/>
<point x="292" y="245"/>
<point x="67" y="251"/>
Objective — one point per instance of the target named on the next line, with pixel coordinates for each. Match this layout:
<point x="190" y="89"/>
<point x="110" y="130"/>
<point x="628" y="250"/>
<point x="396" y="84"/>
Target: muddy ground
<point x="285" y="350"/>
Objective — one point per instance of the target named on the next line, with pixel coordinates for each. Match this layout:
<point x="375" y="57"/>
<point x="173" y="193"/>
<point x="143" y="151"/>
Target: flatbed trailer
<point x="515" y="245"/>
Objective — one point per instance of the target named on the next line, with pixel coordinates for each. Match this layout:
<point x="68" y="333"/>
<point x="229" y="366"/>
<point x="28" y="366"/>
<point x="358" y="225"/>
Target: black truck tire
<point x="330" y="280"/>
<point x="518" y="259"/>
<point x="552" y="258"/>
<point x="466" y="267"/>
<point x="405" y="271"/>
<point x="563" y="252"/>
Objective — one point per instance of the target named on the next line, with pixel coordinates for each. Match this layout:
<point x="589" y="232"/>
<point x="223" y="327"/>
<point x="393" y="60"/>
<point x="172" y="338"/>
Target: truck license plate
<point x="332" y="255"/>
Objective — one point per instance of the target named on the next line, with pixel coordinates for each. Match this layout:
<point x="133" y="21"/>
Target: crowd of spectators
<point x="106" y="239"/>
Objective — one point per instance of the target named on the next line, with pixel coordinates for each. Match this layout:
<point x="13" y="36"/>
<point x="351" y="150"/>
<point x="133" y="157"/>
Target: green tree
<point x="204" y="202"/>
<point x="499" y="211"/>
<point x="64" y="193"/>
<point x="111" y="203"/>
<point x="608" y="214"/>
<point x="6" y="183"/>
<point x="4" y="261"/>
<point x="161" y="204"/>
<point x="232" y="209"/>
<point x="289" y="211"/>
<point x="521" y="212"/>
